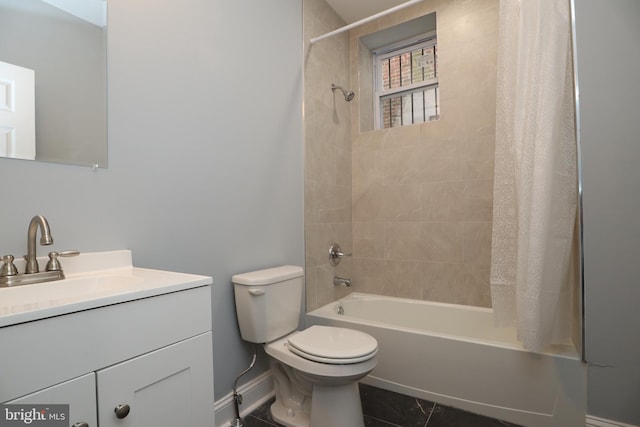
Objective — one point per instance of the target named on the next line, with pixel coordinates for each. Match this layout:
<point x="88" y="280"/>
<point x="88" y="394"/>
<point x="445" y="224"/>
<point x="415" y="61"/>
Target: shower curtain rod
<point x="364" y="21"/>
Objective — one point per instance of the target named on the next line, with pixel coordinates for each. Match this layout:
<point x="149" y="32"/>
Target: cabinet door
<point x="169" y="387"/>
<point x="79" y="393"/>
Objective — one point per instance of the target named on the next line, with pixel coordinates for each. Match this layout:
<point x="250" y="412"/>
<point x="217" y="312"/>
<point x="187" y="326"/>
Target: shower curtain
<point x="535" y="184"/>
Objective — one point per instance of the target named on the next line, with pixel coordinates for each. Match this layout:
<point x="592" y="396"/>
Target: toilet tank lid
<point x="268" y="275"/>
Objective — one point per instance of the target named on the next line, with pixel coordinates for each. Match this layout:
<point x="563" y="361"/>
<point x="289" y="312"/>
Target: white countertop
<point x="92" y="280"/>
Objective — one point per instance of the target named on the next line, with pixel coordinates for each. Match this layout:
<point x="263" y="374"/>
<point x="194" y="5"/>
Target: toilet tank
<point x="268" y="302"/>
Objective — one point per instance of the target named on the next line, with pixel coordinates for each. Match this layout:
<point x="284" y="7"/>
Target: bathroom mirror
<point x="64" y="43"/>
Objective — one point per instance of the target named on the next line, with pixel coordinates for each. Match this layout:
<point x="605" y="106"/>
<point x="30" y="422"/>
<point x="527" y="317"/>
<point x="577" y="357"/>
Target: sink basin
<point x="66" y="290"/>
<point x="87" y="286"/>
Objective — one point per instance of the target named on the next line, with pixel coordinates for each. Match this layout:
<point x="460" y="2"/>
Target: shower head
<point x="348" y="95"/>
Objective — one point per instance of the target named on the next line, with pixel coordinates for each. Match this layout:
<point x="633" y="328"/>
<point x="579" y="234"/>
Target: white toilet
<point x="316" y="370"/>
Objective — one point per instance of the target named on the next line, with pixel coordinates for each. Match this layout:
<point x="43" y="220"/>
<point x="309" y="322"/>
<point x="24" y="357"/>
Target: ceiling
<point x="355" y="10"/>
<point x="94" y="11"/>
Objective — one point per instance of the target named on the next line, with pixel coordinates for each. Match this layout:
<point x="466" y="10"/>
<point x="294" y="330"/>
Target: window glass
<point x="406" y="84"/>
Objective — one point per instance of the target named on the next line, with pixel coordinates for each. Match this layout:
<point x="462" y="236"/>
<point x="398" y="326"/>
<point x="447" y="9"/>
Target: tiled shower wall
<point x="327" y="127"/>
<point x="413" y="204"/>
<point x="423" y="194"/>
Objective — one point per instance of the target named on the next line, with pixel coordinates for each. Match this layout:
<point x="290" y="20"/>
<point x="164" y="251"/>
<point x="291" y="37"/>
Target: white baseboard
<point x="254" y="393"/>
<point x="601" y="422"/>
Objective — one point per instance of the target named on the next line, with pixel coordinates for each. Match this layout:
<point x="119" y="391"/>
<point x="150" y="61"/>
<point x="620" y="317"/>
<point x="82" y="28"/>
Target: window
<point x="406" y="82"/>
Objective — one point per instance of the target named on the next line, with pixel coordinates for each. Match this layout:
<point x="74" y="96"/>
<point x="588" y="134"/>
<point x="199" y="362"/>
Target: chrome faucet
<point x="339" y="281"/>
<point x="9" y="275"/>
<point x="336" y="254"/>
<point x="45" y="239"/>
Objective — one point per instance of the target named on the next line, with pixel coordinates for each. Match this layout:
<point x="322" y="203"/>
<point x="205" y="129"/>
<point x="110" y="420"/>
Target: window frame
<point x="426" y="40"/>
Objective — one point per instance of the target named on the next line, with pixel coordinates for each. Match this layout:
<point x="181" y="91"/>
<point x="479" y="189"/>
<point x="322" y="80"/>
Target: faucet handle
<point x="54" y="264"/>
<point x="336" y="254"/>
<point x="8" y="268"/>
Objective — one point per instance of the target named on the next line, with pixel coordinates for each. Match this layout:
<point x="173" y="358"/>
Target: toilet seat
<point x="332" y="345"/>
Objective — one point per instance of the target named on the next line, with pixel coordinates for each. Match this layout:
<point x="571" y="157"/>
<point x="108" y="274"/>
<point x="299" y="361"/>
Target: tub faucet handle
<point x="336" y="254"/>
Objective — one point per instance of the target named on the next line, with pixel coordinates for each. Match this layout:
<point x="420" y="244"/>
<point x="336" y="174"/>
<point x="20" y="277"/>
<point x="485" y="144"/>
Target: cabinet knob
<point x="122" y="411"/>
<point x="81" y="424"/>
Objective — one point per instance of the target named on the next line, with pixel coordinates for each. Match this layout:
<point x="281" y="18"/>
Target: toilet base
<point x="288" y="417"/>
<point x="336" y="406"/>
<point x="331" y="406"/>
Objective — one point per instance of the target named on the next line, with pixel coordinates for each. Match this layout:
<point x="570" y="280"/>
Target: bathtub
<point x="453" y="355"/>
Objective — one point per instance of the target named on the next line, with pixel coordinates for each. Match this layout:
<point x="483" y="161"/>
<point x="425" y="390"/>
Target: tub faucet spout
<point x="45" y="239"/>
<point x="339" y="281"/>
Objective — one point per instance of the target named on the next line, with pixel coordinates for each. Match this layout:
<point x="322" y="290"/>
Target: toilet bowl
<point x="315" y="370"/>
<point x="318" y="384"/>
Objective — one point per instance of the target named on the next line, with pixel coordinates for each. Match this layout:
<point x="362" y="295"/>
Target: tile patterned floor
<point x="383" y="408"/>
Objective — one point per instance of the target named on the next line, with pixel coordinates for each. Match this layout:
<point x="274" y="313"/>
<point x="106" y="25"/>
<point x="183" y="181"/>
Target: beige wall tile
<point x="457" y="201"/>
<point x="382" y="202"/>
<point x="333" y="204"/>
<point x="370" y="276"/>
<point x="476" y="237"/>
<point x="367" y="170"/>
<point x="477" y="157"/>
<point x="437" y="281"/>
<point x="423" y="241"/>
<point x="318" y="239"/>
<point x="419" y="220"/>
<point x="427" y="162"/>
<point x="327" y="126"/>
<point x="368" y="239"/>
<point x="472" y="286"/>
<point x="407" y="278"/>
<point x="310" y="198"/>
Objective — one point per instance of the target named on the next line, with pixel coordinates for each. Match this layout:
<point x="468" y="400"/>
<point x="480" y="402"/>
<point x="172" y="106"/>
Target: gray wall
<point x="608" y="69"/>
<point x="205" y="153"/>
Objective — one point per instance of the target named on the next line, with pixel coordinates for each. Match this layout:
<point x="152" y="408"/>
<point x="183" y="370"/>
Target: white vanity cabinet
<point x="79" y="394"/>
<point x="167" y="387"/>
<point x="151" y="358"/>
